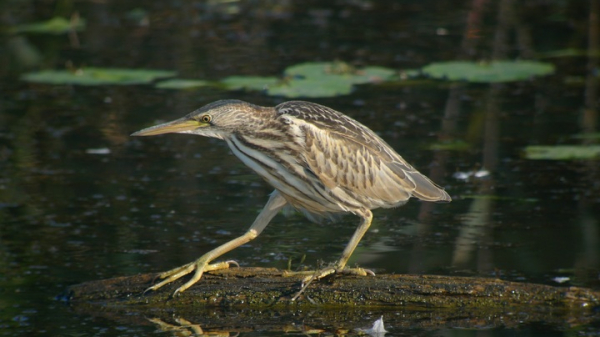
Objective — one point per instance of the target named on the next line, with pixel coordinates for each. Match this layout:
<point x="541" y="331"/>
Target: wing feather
<point x="352" y="162"/>
<point x="355" y="174"/>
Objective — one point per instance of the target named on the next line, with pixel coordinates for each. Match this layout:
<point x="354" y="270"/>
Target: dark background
<point x="68" y="216"/>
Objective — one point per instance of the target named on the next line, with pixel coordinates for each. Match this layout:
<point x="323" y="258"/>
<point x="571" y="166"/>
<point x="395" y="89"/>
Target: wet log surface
<point x="241" y="299"/>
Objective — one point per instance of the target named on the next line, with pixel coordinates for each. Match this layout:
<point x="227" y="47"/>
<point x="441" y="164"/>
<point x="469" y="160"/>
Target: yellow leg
<point x="340" y="265"/>
<point x="365" y="223"/>
<point x="275" y="203"/>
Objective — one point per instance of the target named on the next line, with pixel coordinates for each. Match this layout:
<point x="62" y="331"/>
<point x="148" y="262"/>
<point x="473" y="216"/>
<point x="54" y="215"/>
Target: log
<point x="262" y="296"/>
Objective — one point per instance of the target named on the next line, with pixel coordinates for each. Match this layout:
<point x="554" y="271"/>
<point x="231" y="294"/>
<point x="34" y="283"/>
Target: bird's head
<point x="217" y="119"/>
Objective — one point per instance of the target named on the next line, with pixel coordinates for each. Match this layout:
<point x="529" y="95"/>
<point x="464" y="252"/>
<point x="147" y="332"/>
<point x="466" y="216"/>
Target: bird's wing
<point x="351" y="159"/>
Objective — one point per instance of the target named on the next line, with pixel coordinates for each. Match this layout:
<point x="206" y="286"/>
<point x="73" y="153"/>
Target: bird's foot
<point x="312" y="275"/>
<point x="199" y="266"/>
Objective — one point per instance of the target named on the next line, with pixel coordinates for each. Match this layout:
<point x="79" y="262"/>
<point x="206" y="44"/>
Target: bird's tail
<point x="427" y="190"/>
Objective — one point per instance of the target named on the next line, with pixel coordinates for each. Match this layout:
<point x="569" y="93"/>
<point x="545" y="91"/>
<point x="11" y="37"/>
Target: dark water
<point x="69" y="214"/>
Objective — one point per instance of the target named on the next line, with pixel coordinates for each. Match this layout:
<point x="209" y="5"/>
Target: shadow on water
<point x="80" y="200"/>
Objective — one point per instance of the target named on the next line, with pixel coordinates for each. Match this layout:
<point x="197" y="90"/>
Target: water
<point x="80" y="200"/>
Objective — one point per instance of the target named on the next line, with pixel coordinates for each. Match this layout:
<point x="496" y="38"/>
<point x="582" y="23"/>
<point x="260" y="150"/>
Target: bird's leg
<point x="365" y="223"/>
<point x="340" y="265"/>
<point x="275" y="203"/>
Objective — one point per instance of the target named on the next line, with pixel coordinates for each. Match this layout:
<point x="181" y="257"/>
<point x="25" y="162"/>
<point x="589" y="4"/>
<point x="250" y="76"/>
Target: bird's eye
<point x="205" y="118"/>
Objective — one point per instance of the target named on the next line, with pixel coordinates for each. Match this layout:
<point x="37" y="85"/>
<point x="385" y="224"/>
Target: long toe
<point x="355" y="271"/>
<point x="172" y="275"/>
<point x="221" y="265"/>
<point x="313" y="275"/>
<point x="201" y="267"/>
<point x="198" y="267"/>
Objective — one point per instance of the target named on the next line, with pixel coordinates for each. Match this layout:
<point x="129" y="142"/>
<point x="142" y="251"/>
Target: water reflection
<point x="183" y="327"/>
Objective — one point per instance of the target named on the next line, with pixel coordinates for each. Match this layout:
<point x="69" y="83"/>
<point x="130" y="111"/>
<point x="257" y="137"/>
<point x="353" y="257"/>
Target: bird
<point x="319" y="161"/>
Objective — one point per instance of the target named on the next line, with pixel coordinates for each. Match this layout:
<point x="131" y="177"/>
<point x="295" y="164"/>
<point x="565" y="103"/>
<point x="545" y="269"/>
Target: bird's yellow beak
<point x="176" y="126"/>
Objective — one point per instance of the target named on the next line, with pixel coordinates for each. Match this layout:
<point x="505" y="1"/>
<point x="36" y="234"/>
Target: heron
<point x="319" y="161"/>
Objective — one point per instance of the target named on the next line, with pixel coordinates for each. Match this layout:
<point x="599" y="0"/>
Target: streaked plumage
<point x="319" y="161"/>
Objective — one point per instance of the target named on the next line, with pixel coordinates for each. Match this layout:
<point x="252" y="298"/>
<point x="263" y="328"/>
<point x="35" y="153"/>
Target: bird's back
<point x="352" y="166"/>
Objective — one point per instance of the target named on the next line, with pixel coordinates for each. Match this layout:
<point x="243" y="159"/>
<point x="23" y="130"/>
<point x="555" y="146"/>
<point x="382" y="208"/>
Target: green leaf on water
<point x="310" y="87"/>
<point x="488" y="72"/>
<point x="56" y="25"/>
<point x="319" y="69"/>
<point x="97" y="76"/>
<point x="408" y="74"/>
<point x="326" y="79"/>
<point x="249" y="82"/>
<point x="339" y="71"/>
<point x="181" y="83"/>
<point x="373" y="74"/>
<point x="562" y="152"/>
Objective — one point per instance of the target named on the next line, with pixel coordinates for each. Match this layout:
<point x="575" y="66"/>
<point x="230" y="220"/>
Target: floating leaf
<point x="310" y="87"/>
<point x="320" y="69"/>
<point x="340" y="71"/>
<point x="326" y="79"/>
<point x="562" y="152"/>
<point x="408" y="73"/>
<point x="56" y="25"/>
<point x="373" y="74"/>
<point x="181" y="83"/>
<point x="97" y="76"/>
<point x="249" y="82"/>
<point x="488" y="72"/>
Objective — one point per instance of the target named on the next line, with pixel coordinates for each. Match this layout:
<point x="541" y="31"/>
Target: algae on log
<point x="261" y="287"/>
<point x="459" y="300"/>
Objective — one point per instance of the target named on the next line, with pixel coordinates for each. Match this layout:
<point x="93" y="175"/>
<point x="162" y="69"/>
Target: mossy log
<point x="463" y="301"/>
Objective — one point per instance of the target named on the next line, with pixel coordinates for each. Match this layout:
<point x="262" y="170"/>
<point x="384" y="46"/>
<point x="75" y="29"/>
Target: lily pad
<point x="488" y="72"/>
<point x="249" y="82"/>
<point x="562" y="152"/>
<point x="97" y="76"/>
<point x="326" y="79"/>
<point x="373" y="74"/>
<point x="408" y="74"/>
<point x="340" y="71"/>
<point x="56" y="25"/>
<point x="310" y="87"/>
<point x="181" y="83"/>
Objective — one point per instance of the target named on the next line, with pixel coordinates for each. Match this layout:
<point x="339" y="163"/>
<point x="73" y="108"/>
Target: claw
<point x="233" y="262"/>
<point x="199" y="266"/>
<point x="322" y="273"/>
<point x="356" y="271"/>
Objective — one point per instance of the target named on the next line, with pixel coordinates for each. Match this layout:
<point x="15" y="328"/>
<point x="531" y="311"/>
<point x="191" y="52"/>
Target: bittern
<point x="319" y="161"/>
